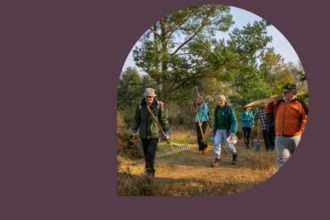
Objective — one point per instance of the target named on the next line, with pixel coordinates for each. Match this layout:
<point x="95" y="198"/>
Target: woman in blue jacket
<point x="247" y="123"/>
<point x="201" y="106"/>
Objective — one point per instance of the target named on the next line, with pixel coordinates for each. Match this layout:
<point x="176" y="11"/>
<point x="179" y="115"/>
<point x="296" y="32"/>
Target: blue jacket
<point x="244" y="119"/>
<point x="201" y="115"/>
<point x="230" y="117"/>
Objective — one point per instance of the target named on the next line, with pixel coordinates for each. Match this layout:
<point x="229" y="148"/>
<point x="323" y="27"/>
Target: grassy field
<point x="188" y="173"/>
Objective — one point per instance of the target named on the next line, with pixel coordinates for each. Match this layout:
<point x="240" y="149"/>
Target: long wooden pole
<point x="270" y="100"/>
<point x="159" y="126"/>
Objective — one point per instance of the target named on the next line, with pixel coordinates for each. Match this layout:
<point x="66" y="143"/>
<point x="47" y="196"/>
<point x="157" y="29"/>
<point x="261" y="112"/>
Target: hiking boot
<point x="150" y="173"/>
<point x="200" y="152"/>
<point x="216" y="163"/>
<point x="206" y="150"/>
<point x="234" y="159"/>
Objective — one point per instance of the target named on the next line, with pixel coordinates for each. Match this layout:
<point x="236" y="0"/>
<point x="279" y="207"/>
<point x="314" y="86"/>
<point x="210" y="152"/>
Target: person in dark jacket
<point x="247" y="124"/>
<point x="201" y="107"/>
<point x="268" y="138"/>
<point x="225" y="125"/>
<point x="149" y="131"/>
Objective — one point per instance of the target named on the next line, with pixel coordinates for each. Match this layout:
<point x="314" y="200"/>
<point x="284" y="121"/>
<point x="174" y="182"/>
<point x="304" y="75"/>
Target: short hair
<point x="222" y="96"/>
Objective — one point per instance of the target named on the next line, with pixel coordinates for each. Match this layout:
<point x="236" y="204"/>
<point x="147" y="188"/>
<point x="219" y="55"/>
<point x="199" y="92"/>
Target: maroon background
<point x="60" y="65"/>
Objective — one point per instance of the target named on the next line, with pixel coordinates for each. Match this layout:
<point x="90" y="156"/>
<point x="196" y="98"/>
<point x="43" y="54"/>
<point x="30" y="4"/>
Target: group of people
<point x="290" y="120"/>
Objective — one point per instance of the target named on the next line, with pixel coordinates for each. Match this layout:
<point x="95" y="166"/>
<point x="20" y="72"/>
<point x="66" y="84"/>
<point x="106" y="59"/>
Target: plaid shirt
<point x="261" y="114"/>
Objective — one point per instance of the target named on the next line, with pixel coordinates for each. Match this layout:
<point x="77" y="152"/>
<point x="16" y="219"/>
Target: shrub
<point x="125" y="150"/>
<point x="129" y="185"/>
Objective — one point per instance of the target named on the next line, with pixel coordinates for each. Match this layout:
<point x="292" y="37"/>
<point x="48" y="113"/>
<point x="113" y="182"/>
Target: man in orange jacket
<point x="290" y="121"/>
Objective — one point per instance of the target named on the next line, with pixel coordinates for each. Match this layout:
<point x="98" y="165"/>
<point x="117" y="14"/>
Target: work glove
<point x="167" y="134"/>
<point x="133" y="132"/>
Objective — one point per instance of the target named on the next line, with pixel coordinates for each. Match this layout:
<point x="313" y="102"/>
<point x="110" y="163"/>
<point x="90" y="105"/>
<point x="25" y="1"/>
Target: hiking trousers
<point x="221" y="134"/>
<point x="149" y="148"/>
<point x="269" y="140"/>
<point x="199" y="135"/>
<point x="284" y="147"/>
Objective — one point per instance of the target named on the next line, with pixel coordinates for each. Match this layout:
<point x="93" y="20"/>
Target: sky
<point x="241" y="17"/>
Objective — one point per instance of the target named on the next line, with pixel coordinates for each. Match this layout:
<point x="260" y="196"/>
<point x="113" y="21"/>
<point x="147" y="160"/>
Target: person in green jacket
<point x="225" y="125"/>
<point x="149" y="131"/>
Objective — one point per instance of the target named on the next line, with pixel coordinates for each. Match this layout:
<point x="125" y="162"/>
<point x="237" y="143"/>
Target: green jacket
<point x="230" y="118"/>
<point x="144" y="121"/>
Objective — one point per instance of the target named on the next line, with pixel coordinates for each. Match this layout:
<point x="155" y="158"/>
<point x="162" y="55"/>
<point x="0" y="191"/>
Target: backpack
<point x="270" y="123"/>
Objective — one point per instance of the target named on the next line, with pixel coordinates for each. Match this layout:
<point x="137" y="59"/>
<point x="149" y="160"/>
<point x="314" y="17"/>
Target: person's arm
<point x="206" y="110"/>
<point x="214" y="119"/>
<point x="270" y="107"/>
<point x="233" y="122"/>
<point x="256" y="114"/>
<point x="162" y="119"/>
<point x="252" y="118"/>
<point x="304" y="119"/>
<point x="137" y="118"/>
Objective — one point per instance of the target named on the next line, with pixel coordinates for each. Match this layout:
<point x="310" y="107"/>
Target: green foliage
<point x="128" y="151"/>
<point x="242" y="68"/>
<point x="131" y="88"/>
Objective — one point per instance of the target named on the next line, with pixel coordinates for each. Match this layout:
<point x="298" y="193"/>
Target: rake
<point x="173" y="150"/>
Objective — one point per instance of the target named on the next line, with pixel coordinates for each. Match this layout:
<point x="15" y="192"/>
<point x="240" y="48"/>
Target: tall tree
<point x="167" y="61"/>
<point x="130" y="88"/>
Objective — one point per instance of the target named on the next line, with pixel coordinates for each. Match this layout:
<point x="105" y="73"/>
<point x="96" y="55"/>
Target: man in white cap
<point x="149" y="131"/>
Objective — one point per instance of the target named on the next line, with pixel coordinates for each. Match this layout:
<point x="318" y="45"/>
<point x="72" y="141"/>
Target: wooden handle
<point x="200" y="127"/>
<point x="159" y="126"/>
<point x="277" y="98"/>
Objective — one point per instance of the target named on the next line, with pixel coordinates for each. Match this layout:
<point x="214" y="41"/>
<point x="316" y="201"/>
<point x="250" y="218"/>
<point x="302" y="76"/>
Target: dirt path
<point x="189" y="165"/>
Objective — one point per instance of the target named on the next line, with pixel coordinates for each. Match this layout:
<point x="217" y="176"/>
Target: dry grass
<point x="181" y="133"/>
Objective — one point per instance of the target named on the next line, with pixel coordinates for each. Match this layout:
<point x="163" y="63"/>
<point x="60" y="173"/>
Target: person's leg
<point x="294" y="143"/>
<point x="205" y="146"/>
<point x="231" y="148"/>
<point x="266" y="139"/>
<point x="217" y="143"/>
<point x="217" y="148"/>
<point x="282" y="150"/>
<point x="248" y="135"/>
<point x="199" y="138"/>
<point x="145" y="143"/>
<point x="271" y="139"/>
<point x="151" y="155"/>
<point x="245" y="135"/>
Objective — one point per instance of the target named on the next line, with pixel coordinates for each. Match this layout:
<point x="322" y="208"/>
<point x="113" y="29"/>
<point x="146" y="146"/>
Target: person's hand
<point x="212" y="129"/>
<point x="196" y="111"/>
<point x="201" y="123"/>
<point x="252" y="126"/>
<point x="133" y="132"/>
<point x="232" y="135"/>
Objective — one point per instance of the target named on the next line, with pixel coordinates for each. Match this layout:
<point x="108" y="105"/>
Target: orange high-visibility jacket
<point x="290" y="118"/>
